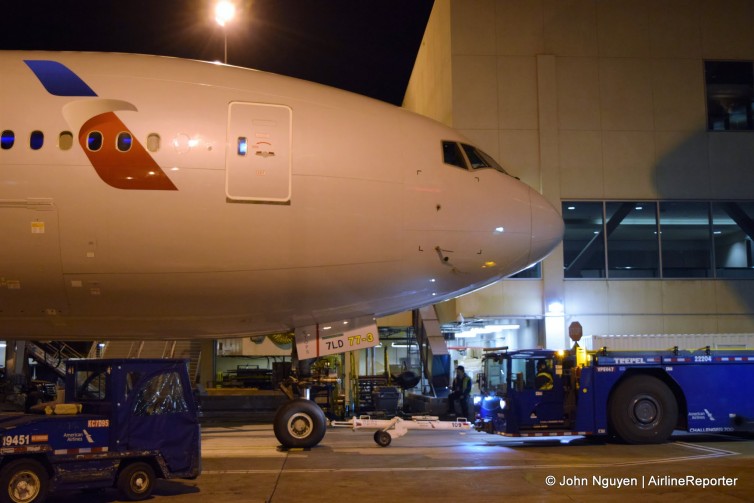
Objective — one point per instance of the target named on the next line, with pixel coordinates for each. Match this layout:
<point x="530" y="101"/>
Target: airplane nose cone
<point x="546" y="227"/>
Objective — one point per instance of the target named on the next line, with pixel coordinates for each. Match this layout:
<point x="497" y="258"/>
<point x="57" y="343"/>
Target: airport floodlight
<point x="224" y="12"/>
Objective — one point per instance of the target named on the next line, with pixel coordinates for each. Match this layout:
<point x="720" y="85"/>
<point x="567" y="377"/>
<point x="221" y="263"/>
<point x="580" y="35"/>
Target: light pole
<point x="225" y="11"/>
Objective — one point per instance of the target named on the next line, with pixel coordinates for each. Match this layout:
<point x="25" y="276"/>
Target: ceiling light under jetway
<point x="487" y="329"/>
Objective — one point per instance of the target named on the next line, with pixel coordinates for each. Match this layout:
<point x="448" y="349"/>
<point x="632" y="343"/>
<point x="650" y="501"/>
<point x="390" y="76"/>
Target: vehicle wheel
<point x="299" y="423"/>
<point x="643" y="410"/>
<point x="24" y="481"/>
<point x="136" y="481"/>
<point x="382" y="438"/>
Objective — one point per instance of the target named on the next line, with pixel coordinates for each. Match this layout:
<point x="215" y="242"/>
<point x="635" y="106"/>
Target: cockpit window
<point x="463" y="155"/>
<point x="479" y="159"/>
<point x="451" y="154"/>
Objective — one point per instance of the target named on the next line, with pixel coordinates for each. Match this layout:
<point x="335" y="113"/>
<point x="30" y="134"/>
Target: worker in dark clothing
<point x="460" y="391"/>
<point x="543" y="381"/>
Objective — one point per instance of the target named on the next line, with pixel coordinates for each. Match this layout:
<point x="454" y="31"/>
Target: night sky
<point x="364" y="46"/>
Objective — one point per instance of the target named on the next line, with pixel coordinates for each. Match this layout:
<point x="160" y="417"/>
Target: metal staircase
<point x="53" y="354"/>
<point x="430" y="340"/>
<point x="187" y="349"/>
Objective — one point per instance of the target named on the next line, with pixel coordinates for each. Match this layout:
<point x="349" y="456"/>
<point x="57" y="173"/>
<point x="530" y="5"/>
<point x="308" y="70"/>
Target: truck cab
<point x="124" y="423"/>
<point x="524" y="390"/>
<point x="637" y="396"/>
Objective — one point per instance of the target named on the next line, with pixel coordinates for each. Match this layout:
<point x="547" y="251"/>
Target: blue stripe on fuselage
<point x="58" y="79"/>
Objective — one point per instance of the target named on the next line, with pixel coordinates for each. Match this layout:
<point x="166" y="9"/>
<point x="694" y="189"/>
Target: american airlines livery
<point x="151" y="197"/>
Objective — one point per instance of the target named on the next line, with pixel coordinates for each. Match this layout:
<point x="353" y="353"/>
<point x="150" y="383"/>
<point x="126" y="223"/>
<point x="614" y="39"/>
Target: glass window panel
<point x="243" y="145"/>
<point x="153" y="142"/>
<point x="162" y="394"/>
<point x="479" y="159"/>
<point x="583" y="242"/>
<point x="36" y="140"/>
<point x="730" y="95"/>
<point x="7" y="139"/>
<point x="685" y="237"/>
<point x="94" y="141"/>
<point x="732" y="233"/>
<point x="632" y="244"/>
<point x="65" y="140"/>
<point x="123" y="142"/>
<point x="451" y="154"/>
<point x="91" y="385"/>
<point x="533" y="272"/>
<point x="476" y="160"/>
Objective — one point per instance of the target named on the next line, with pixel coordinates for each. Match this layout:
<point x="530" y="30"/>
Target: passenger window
<point x="451" y="154"/>
<point x="65" y="140"/>
<point x="153" y="142"/>
<point x="123" y="143"/>
<point x="7" y="139"/>
<point x="36" y="140"/>
<point x="94" y="141"/>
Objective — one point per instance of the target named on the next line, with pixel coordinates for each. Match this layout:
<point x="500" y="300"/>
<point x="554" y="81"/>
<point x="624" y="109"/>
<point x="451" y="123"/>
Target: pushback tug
<point x="639" y="397"/>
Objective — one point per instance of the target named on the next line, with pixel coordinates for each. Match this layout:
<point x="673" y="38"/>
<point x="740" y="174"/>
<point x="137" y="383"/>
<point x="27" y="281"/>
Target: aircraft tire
<point x="299" y="424"/>
<point x="643" y="410"/>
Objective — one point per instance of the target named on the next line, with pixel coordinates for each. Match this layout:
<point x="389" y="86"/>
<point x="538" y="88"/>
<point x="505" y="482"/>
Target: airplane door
<point x="258" y="155"/>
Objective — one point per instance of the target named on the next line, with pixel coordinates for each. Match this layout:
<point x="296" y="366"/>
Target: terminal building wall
<point x="597" y="101"/>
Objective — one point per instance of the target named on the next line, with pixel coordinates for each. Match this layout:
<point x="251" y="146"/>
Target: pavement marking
<point x="706" y="453"/>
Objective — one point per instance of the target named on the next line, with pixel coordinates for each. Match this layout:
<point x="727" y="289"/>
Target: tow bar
<point x="388" y="429"/>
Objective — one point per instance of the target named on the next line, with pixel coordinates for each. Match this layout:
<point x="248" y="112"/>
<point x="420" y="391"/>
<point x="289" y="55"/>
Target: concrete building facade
<point x="610" y="106"/>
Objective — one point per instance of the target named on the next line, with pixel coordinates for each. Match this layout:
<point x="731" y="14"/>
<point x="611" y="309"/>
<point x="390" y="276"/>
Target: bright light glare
<point x="224" y="12"/>
<point x="487" y="329"/>
<point x="555" y="307"/>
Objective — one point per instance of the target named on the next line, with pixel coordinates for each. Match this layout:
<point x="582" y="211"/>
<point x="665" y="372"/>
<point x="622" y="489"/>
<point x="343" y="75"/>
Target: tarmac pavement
<point x="244" y="463"/>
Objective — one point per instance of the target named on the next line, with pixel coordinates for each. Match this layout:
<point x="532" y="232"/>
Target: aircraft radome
<point x="151" y="197"/>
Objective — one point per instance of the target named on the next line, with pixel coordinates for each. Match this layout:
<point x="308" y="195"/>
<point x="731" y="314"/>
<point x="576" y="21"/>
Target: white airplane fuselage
<point x="243" y="203"/>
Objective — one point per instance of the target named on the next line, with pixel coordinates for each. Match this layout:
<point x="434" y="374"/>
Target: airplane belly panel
<point x="228" y="303"/>
<point x="31" y="282"/>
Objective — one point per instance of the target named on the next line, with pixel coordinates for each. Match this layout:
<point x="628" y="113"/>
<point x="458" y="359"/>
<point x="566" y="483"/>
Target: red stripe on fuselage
<point x="135" y="169"/>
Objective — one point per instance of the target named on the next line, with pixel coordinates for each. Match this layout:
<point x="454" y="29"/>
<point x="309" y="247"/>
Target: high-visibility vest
<point x="548" y="384"/>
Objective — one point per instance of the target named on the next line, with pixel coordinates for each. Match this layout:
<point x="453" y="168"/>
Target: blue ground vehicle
<point x="125" y="422"/>
<point x="639" y="397"/>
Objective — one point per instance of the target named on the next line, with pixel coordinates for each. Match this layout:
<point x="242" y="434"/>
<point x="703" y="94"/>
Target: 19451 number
<point x="12" y="440"/>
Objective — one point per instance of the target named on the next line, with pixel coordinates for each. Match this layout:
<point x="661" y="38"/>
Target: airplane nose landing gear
<point x="299" y="423"/>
